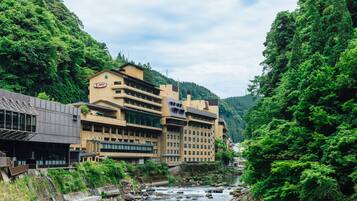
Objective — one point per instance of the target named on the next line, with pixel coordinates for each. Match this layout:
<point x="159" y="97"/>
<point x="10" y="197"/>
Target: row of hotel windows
<point x="126" y="148"/>
<point x="174" y="130"/>
<point x="201" y="117"/>
<point x="193" y="132"/>
<point x="199" y="125"/>
<point x="173" y="144"/>
<point x="142" y="119"/>
<point x="197" y="159"/>
<point x="128" y="140"/>
<point x="172" y="151"/>
<point x="17" y="121"/>
<point x="198" y="140"/>
<point x="141" y="104"/>
<point x="202" y="153"/>
<point x="119" y="131"/>
<point x="172" y="159"/>
<point x="137" y="86"/>
<point x="197" y="146"/>
<point x="173" y="137"/>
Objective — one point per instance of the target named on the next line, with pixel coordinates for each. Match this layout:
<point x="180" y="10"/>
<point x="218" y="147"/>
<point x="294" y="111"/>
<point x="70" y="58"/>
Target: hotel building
<point x="173" y="122"/>
<point x="198" y="142"/>
<point x="37" y="132"/>
<point x="124" y="119"/>
<point x="130" y="119"/>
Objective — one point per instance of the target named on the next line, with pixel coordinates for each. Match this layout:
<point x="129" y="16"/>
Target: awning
<point x="17" y="106"/>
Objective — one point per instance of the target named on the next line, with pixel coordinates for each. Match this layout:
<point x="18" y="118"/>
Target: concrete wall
<point x="55" y="121"/>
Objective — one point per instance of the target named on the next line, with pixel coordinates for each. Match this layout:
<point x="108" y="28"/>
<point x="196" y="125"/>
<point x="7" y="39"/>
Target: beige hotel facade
<point x="131" y="119"/>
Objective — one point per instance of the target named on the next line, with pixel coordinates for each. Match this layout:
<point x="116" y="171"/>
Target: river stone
<point x="129" y="197"/>
<point x="108" y="191"/>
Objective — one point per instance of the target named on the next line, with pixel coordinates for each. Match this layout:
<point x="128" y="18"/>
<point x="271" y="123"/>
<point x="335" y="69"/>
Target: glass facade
<point x="126" y="147"/>
<point x="17" y="121"/>
<point x="142" y="119"/>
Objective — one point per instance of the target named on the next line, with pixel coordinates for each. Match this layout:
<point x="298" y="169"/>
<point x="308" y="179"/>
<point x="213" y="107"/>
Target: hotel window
<point x="8" y="119"/>
<point x="2" y="118"/>
<point x="22" y="122"/>
<point x="28" y="122"/>
<point x="86" y="127"/>
<point x="15" y="120"/>
<point x="117" y="83"/>
<point x="98" y="128"/>
<point x="114" y="130"/>
<point x="106" y="129"/>
<point x="33" y="123"/>
<point x="117" y="91"/>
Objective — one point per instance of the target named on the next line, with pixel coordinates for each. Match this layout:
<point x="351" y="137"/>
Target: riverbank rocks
<point x="209" y="195"/>
<point x="80" y="196"/>
<point x="129" y="197"/>
<point x="108" y="191"/>
<point x="215" y="190"/>
<point x="242" y="194"/>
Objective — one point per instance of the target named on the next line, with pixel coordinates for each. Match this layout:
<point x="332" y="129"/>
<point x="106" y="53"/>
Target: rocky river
<point x="199" y="193"/>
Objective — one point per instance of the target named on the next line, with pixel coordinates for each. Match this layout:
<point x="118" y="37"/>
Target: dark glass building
<point x="37" y="132"/>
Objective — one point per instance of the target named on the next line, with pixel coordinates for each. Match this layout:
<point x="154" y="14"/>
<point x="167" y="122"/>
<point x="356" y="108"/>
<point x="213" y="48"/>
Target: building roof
<point x="131" y="64"/>
<point x="134" y="79"/>
<point x="17" y="106"/>
<point x="200" y="112"/>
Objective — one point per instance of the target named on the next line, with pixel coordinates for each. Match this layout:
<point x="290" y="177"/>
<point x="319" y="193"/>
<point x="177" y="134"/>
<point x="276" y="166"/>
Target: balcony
<point x="143" y="126"/>
<point x="124" y="150"/>
<point x="142" y="108"/>
<point x="190" y="118"/>
<point x="103" y="119"/>
<point x="123" y="86"/>
<point x="125" y="95"/>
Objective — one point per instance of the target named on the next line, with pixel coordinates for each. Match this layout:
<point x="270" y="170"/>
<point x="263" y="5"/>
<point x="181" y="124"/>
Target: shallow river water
<point x="193" y="193"/>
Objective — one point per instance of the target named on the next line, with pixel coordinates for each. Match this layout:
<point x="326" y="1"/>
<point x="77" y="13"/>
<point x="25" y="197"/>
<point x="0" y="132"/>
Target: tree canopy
<point x="302" y="133"/>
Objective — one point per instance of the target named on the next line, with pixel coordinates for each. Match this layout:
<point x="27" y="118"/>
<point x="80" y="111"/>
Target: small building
<point x="37" y="132"/>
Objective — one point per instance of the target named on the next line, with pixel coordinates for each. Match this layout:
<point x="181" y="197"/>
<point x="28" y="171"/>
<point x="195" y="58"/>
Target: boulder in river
<point x="215" y="190"/>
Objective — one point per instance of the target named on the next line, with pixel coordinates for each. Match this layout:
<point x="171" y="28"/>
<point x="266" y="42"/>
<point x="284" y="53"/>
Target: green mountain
<point x="43" y="48"/>
<point x="233" y="110"/>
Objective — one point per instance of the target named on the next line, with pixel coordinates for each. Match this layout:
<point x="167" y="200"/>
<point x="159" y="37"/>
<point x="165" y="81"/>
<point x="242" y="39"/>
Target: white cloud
<point x="217" y="44"/>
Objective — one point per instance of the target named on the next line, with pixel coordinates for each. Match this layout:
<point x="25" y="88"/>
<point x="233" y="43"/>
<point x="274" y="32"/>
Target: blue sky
<point x="215" y="43"/>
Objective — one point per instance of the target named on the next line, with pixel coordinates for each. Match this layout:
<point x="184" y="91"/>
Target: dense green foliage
<point x="302" y="133"/>
<point x="223" y="153"/>
<point x="89" y="175"/>
<point x="43" y="49"/>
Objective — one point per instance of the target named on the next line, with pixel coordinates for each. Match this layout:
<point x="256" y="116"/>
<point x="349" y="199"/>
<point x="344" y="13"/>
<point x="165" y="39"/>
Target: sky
<point x="215" y="43"/>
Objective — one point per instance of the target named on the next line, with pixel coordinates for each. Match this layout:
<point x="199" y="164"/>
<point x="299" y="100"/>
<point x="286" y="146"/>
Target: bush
<point x="84" y="109"/>
<point x="66" y="181"/>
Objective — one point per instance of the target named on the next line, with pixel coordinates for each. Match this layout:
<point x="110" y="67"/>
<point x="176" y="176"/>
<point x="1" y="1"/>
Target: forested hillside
<point x="43" y="48"/>
<point x="233" y="110"/>
<point x="303" y="132"/>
